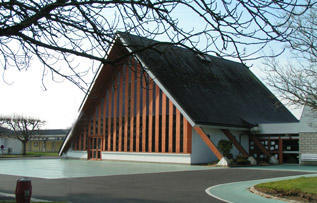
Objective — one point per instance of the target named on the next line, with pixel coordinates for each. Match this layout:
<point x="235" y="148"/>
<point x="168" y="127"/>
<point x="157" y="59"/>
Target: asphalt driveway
<point x="184" y="186"/>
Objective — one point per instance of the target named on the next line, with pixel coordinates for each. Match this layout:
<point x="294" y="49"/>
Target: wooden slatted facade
<point x="133" y="115"/>
<point x="126" y="111"/>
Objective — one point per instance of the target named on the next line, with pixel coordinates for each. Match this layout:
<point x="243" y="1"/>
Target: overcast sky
<point x="26" y="96"/>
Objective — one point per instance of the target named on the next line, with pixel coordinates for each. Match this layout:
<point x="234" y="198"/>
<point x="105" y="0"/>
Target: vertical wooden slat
<point x="138" y="109"/>
<point x="85" y="135"/>
<point x="104" y="123"/>
<point x="163" y="122"/>
<point x="79" y="142"/>
<point x="144" y="115"/>
<point x="150" y="116"/>
<point x="187" y="134"/>
<point x="126" y="112"/>
<point x="280" y="150"/>
<point x="178" y="130"/>
<point x="132" y="110"/>
<point x="170" y="127"/>
<point x="89" y="128"/>
<point x="114" y="133"/>
<point x="88" y="148"/>
<point x="269" y="143"/>
<point x="94" y="124"/>
<point x="75" y="143"/>
<point x="99" y="119"/>
<point x="120" y="111"/>
<point x="109" y="117"/>
<point x="157" y="117"/>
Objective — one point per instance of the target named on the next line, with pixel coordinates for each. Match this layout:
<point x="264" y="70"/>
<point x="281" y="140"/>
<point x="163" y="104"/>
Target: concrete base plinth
<point x="223" y="162"/>
<point x="273" y="160"/>
<point x="252" y="160"/>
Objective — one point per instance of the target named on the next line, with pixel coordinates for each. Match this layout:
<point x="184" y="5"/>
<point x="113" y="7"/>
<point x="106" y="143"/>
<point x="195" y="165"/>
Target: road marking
<point x="245" y="195"/>
<point x="214" y="196"/>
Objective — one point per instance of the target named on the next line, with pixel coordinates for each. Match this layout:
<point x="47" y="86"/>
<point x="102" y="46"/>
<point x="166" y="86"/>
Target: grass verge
<point x="29" y="154"/>
<point x="303" y="188"/>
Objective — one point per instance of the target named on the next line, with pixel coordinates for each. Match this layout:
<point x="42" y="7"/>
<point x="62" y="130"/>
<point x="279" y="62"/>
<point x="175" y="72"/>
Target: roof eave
<point x="225" y="126"/>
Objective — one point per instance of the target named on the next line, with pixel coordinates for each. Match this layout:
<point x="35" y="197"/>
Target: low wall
<point x="307" y="145"/>
<point x="135" y="156"/>
<point x="75" y="154"/>
<point x="148" y="157"/>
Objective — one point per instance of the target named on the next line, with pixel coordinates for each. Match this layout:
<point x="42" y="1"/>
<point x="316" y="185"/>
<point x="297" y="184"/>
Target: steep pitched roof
<point x="213" y="91"/>
<point x="4" y="130"/>
<point x="54" y="132"/>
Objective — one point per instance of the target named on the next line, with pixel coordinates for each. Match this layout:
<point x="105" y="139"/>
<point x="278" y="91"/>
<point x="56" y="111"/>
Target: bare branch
<point x="22" y="128"/>
<point x="60" y="32"/>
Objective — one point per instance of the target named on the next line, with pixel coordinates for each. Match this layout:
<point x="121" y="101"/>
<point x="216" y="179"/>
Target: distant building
<point x="46" y="140"/>
<point x="11" y="145"/>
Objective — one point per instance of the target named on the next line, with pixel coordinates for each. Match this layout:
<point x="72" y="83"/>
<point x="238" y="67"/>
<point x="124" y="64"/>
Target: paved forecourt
<point x="177" y="186"/>
<point x="72" y="168"/>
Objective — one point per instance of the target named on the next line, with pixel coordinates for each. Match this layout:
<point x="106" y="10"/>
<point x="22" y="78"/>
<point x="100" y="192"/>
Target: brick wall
<point x="308" y="143"/>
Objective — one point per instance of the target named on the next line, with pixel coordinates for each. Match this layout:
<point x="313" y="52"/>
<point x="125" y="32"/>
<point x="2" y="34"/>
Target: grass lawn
<point x="42" y="154"/>
<point x="300" y="188"/>
<point x="29" y="154"/>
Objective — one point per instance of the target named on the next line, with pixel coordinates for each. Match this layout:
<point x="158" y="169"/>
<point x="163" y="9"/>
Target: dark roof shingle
<point x="213" y="92"/>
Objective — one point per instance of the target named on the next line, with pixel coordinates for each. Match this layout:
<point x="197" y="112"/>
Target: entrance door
<point x="94" y="150"/>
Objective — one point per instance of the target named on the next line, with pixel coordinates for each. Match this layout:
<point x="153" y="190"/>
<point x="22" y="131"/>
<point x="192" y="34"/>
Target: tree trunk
<point x="24" y="148"/>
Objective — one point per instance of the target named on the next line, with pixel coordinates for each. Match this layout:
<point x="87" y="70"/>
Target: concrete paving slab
<point x="70" y="168"/>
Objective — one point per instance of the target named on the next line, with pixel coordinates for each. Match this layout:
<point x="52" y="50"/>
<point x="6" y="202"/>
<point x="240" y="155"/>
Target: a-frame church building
<point x="159" y="102"/>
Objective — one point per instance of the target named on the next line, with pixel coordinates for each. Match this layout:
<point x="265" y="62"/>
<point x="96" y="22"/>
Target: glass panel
<point x="95" y="143"/>
<point x="94" y="154"/>
<point x="99" y="143"/>
<point x="99" y="155"/>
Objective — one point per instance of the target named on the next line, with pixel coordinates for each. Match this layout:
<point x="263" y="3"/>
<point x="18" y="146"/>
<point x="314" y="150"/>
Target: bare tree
<point x="296" y="80"/>
<point x="23" y="128"/>
<point x="57" y="32"/>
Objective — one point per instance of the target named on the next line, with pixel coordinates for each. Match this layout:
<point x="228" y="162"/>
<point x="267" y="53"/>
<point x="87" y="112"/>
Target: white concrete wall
<point x="15" y="145"/>
<point x="202" y="154"/>
<point x="75" y="154"/>
<point x="147" y="157"/>
<point x="200" y="151"/>
<point x="134" y="156"/>
<point x="278" y="128"/>
<point x="307" y="124"/>
<point x="308" y="120"/>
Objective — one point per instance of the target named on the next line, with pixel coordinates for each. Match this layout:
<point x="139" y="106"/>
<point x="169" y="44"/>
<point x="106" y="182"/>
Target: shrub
<point x="240" y="160"/>
<point x="225" y="147"/>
